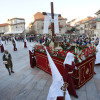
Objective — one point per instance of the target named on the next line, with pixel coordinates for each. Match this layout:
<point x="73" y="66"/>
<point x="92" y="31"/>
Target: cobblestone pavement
<point x="33" y="84"/>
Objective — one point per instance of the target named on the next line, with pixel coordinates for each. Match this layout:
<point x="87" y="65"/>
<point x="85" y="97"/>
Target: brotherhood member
<point x="7" y="60"/>
<point x="25" y="42"/>
<point x="55" y="92"/>
<point x="97" y="61"/>
<point x="14" y="44"/>
<point x="1" y="45"/>
<point x="32" y="56"/>
<point x="69" y="66"/>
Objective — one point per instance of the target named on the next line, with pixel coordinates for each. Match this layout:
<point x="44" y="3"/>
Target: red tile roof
<point x="98" y="12"/>
<point x="38" y="15"/>
<point x="4" y="24"/>
<point x="86" y="19"/>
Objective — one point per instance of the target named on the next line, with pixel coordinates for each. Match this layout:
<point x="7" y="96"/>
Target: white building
<point x="13" y="26"/>
<point x="86" y="25"/>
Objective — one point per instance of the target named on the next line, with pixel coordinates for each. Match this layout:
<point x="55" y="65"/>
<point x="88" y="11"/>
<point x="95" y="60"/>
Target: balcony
<point x="97" y="19"/>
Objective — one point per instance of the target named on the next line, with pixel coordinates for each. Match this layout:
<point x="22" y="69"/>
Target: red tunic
<point x="25" y="46"/>
<point x="32" y="59"/>
<point x="60" y="98"/>
<point x="67" y="77"/>
<point x="2" y="48"/>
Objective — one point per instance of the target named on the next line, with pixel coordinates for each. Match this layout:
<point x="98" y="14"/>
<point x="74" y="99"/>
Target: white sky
<point x="69" y="9"/>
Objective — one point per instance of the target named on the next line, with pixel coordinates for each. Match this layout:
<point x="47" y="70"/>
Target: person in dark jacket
<point x="7" y="60"/>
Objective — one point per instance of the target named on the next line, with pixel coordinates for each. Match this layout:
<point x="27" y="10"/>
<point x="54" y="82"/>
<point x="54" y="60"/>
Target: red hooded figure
<point x="32" y="57"/>
<point x="69" y="66"/>
<point x="1" y="45"/>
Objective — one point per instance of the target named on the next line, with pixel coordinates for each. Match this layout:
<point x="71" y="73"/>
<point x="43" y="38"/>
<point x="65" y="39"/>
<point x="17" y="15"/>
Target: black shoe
<point x="76" y="96"/>
<point x="12" y="71"/>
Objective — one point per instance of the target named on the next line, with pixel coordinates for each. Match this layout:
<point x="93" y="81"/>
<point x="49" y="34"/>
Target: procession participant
<point x="55" y="91"/>
<point x="97" y="61"/>
<point x="25" y="42"/>
<point x="32" y="56"/>
<point x="7" y="60"/>
<point x="1" y="45"/>
<point x="69" y="66"/>
<point x="14" y="44"/>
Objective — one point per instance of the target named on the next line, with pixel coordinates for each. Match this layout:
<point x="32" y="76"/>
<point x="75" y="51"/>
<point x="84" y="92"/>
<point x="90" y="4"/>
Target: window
<point x="13" y="21"/>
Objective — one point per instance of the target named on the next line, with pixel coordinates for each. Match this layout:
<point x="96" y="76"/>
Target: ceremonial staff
<point x="64" y="88"/>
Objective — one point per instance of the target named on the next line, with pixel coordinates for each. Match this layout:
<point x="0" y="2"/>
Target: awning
<point x="14" y="32"/>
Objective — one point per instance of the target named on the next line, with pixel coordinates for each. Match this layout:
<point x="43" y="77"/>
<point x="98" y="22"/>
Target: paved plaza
<point x="33" y="84"/>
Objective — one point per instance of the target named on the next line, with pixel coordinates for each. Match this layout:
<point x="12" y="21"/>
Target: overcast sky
<point x="69" y="9"/>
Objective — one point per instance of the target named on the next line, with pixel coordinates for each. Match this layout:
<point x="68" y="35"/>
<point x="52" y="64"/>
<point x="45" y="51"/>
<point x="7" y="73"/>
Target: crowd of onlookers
<point x="9" y="38"/>
<point x="85" y="40"/>
<point x="30" y="38"/>
<point x="80" y="39"/>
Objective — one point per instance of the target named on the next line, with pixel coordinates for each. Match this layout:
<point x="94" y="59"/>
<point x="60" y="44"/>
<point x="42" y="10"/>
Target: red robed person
<point x="14" y="44"/>
<point x="25" y="42"/>
<point x="32" y="56"/>
<point x="1" y="45"/>
<point x="69" y="66"/>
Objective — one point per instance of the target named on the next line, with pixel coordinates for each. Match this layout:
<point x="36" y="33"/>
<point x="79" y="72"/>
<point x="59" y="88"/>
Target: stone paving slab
<point x="33" y="84"/>
<point x="91" y="91"/>
<point x="97" y="83"/>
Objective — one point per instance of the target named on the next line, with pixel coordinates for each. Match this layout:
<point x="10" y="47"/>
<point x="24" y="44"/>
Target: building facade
<point x="97" y="31"/>
<point x="13" y="26"/>
<point x="4" y="28"/>
<point x="87" y="25"/>
<point x="38" y="24"/>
